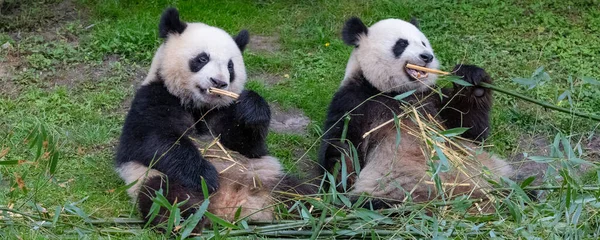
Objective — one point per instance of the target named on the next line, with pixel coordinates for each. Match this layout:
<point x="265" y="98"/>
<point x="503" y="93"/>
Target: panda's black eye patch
<point x="203" y="58"/>
<point x="231" y="72"/>
<point x="199" y="62"/>
<point x="399" y="47"/>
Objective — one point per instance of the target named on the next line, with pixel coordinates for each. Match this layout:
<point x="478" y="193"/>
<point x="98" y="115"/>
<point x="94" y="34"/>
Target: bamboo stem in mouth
<point x="424" y="69"/>
<point x="223" y="92"/>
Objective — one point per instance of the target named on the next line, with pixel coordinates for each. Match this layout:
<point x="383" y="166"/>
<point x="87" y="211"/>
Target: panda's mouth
<point x="415" y="74"/>
<point x="202" y="90"/>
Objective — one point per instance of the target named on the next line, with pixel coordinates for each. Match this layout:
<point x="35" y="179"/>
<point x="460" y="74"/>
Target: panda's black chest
<point x="382" y="108"/>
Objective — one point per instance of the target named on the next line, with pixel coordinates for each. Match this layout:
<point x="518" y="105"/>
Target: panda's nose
<point x="218" y="83"/>
<point x="426" y="57"/>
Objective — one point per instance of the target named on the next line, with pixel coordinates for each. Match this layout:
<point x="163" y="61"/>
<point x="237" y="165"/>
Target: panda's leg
<point x="469" y="106"/>
<point x="243" y="126"/>
<point x="175" y="193"/>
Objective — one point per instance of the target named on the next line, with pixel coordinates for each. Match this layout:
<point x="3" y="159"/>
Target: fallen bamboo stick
<point x="514" y="94"/>
<point x="224" y="92"/>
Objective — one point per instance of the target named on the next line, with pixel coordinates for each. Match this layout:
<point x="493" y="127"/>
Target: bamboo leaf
<point x="161" y="199"/>
<point x="193" y="221"/>
<point x="542" y="159"/>
<point x="397" y="124"/>
<point x="219" y="221"/>
<point x="10" y="162"/>
<point x="444" y="164"/>
<point x="154" y="209"/>
<point x="355" y="160"/>
<point x="372" y="216"/>
<point x="454" y="131"/>
<point x="538" y="71"/>
<point x="579" y="161"/>
<point x="57" y="212"/>
<point x="590" y="80"/>
<point x="174" y="217"/>
<point x="404" y="95"/>
<point x="39" y="144"/>
<point x="564" y="95"/>
<point x="527" y="181"/>
<point x="517" y="189"/>
<point x="345" y="200"/>
<point x="204" y="187"/>
<point x="53" y="162"/>
<point x="460" y="82"/>
<point x="238" y="213"/>
<point x="344" y="170"/>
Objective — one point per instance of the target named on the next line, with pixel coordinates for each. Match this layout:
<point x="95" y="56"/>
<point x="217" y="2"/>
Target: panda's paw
<point x="208" y="173"/>
<point x="475" y="76"/>
<point x="252" y="109"/>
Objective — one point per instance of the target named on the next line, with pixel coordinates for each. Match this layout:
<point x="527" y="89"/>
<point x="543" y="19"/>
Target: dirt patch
<point x="524" y="168"/>
<point x="9" y="88"/>
<point x="72" y="75"/>
<point x="540" y="146"/>
<point x="34" y="15"/>
<point x="7" y="72"/>
<point x="268" y="78"/>
<point x="260" y="43"/>
<point x="288" y="121"/>
<point x="592" y="148"/>
<point x="308" y="168"/>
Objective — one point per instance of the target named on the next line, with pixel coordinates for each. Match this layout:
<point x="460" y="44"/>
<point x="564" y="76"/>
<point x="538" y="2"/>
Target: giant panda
<point x="375" y="73"/>
<point x="173" y="115"/>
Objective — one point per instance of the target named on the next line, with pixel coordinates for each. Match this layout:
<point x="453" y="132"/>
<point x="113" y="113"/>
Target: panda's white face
<point x="383" y="51"/>
<point x="199" y="58"/>
<point x="196" y="57"/>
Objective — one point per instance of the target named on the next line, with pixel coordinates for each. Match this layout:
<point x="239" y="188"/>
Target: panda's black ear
<point x="242" y="39"/>
<point x="353" y="28"/>
<point x="414" y="21"/>
<point x="170" y="23"/>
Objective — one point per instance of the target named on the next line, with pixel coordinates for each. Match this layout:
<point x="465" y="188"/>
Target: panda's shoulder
<point x="154" y="96"/>
<point x="356" y="87"/>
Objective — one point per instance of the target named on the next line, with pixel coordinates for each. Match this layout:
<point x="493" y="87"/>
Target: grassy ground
<point x="71" y="67"/>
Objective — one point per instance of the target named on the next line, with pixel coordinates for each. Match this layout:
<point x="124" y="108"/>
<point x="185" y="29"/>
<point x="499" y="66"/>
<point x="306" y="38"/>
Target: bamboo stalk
<point x="223" y="92"/>
<point x="514" y="94"/>
<point x="424" y="69"/>
<point x="543" y="104"/>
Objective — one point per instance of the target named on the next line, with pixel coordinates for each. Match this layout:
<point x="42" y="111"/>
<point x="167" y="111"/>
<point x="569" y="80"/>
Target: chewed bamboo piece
<point x="224" y="92"/>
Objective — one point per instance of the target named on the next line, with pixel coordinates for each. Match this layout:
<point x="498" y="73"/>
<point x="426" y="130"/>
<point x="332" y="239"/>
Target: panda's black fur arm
<point x="154" y="134"/>
<point x="242" y="126"/>
<point x="469" y="106"/>
<point x="354" y="93"/>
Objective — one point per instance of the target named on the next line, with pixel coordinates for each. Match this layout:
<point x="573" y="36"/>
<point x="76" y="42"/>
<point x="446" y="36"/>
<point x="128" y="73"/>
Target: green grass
<point x="84" y="109"/>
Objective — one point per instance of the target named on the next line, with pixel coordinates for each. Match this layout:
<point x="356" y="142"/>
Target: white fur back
<point x="390" y="173"/>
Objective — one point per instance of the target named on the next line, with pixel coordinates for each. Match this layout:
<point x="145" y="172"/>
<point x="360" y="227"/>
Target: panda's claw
<point x="475" y="76"/>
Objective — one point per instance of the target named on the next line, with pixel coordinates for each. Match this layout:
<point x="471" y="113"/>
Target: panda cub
<point x="375" y="73"/>
<point x="173" y="108"/>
